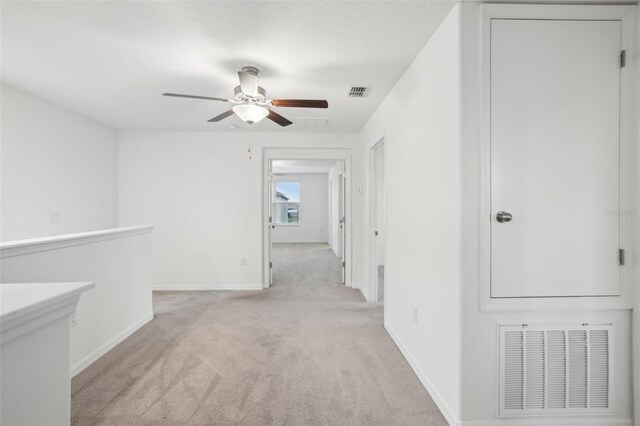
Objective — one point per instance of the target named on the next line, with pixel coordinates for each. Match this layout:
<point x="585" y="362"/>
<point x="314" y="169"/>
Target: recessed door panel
<point x="555" y="121"/>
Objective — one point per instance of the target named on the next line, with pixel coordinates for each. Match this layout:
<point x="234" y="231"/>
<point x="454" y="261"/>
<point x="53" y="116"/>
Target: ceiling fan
<point x="252" y="103"/>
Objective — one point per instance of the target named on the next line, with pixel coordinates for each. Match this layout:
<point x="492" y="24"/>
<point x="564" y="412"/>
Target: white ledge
<point x="533" y="304"/>
<point x="33" y="245"/>
<point x="27" y="306"/>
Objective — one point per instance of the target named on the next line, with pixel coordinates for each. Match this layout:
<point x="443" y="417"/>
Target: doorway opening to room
<point x="377" y="221"/>
<point x="307" y="237"/>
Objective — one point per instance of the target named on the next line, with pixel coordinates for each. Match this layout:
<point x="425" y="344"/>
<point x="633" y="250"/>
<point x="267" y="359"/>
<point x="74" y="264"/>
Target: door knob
<point x="503" y="217"/>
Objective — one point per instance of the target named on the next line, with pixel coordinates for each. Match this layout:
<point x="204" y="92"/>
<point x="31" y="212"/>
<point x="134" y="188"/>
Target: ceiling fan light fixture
<point x="251" y="99"/>
<point x="250" y="113"/>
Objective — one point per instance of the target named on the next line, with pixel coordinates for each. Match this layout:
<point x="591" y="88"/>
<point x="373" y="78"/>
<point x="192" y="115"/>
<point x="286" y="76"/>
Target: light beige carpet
<point x="308" y="351"/>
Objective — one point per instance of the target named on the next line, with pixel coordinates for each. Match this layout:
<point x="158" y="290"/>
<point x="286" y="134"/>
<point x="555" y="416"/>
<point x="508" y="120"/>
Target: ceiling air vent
<point x="555" y="369"/>
<point x="359" y="92"/>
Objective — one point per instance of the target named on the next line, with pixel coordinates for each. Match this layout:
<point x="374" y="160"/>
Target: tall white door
<point x="555" y="155"/>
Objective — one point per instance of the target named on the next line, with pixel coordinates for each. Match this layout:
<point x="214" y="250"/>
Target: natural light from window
<point x="287" y="203"/>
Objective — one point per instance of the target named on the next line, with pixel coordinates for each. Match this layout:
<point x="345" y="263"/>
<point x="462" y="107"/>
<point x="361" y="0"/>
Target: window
<point x="287" y="203"/>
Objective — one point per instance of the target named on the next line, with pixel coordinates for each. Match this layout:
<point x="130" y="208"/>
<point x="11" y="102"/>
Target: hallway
<point x="307" y="351"/>
<point x="306" y="267"/>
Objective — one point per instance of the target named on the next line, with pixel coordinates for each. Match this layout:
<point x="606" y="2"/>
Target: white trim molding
<point x="34" y="245"/>
<point x="79" y="366"/>
<point x="372" y="219"/>
<point x="555" y="421"/>
<point x="29" y="306"/>
<point x="207" y="287"/>
<point x="446" y="411"/>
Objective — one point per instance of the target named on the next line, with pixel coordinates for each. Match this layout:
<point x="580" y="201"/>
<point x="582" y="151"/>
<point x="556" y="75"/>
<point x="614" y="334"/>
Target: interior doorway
<point x="377" y="215"/>
<point x="307" y="229"/>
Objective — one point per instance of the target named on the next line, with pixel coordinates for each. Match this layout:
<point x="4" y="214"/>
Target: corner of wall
<point x="636" y="313"/>
<point x="37" y="198"/>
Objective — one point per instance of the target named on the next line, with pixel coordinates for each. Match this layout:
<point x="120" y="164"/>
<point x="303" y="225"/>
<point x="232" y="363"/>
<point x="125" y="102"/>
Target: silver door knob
<point x="503" y="217"/>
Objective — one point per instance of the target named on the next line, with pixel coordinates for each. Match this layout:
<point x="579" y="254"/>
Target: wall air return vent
<point x="548" y="370"/>
<point x="359" y="92"/>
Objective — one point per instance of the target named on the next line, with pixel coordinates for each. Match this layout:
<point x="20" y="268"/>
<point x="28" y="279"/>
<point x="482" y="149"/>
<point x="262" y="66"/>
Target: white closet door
<point x="555" y="158"/>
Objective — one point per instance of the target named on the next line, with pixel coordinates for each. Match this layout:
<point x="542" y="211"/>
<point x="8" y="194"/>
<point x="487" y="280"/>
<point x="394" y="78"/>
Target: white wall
<point x="430" y="125"/>
<point x="420" y="122"/>
<point x="314" y="209"/>
<point x="480" y="354"/>
<point x="53" y="160"/>
<point x="203" y="194"/>
<point x="118" y="262"/>
<point x="334" y="207"/>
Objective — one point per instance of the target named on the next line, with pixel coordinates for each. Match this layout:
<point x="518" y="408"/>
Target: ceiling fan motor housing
<point x="251" y="70"/>
<point x="260" y="98"/>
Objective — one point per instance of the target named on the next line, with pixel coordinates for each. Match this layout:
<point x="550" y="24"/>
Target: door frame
<point x="270" y="220"/>
<point x="625" y="14"/>
<point x="342" y="213"/>
<point x="343" y="154"/>
<point x="372" y="151"/>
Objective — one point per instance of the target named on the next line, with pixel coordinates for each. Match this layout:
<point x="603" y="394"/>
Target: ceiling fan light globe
<point x="249" y="113"/>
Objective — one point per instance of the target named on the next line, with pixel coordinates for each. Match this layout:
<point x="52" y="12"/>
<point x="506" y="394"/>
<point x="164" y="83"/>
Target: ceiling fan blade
<point x="277" y="118"/>
<point x="221" y="116"/>
<point x="248" y="83"/>
<point x="300" y="103"/>
<point x="178" y="95"/>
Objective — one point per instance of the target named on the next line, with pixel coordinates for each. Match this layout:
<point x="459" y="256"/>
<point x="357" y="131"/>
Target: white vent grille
<point x="599" y="369"/>
<point x="555" y="369"/>
<point x="358" y="92"/>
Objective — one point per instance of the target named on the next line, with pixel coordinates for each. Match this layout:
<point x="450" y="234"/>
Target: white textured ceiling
<point x="112" y="60"/>
<point x="302" y="166"/>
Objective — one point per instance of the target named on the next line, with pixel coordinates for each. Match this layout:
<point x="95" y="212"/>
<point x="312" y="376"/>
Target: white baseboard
<point x="300" y="242"/>
<point x="112" y="343"/>
<point x="363" y="294"/>
<point x="448" y="414"/>
<point x="450" y="417"/>
<point x="357" y="286"/>
<point x="553" y="421"/>
<point x="201" y="287"/>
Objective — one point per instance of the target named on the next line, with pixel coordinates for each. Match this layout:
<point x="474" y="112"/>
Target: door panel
<point x="555" y="88"/>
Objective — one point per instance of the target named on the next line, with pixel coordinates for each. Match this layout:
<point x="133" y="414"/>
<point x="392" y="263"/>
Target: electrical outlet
<point x="74" y="320"/>
<point x="243" y="261"/>
<point x="415" y="313"/>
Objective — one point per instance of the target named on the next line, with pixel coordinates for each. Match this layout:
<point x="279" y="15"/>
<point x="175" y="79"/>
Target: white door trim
<point x="372" y="251"/>
<point x="505" y="11"/>
<point x="344" y="154"/>
<point x="342" y="213"/>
